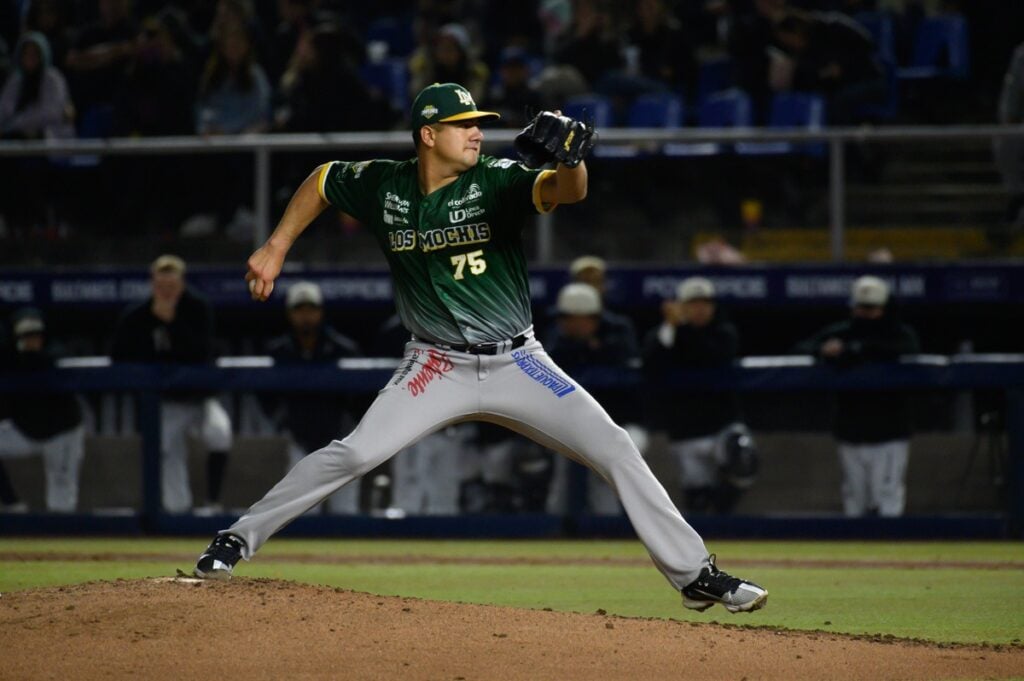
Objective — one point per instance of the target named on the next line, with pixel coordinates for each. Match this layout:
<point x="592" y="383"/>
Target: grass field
<point x="965" y="592"/>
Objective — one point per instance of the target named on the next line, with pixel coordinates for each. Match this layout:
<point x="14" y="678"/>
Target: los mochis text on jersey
<point x="460" y="210"/>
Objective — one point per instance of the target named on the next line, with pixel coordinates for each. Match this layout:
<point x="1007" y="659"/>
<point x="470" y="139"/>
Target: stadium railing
<point x="262" y="147"/>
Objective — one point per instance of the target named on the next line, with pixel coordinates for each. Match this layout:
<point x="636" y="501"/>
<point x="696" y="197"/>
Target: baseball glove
<point x="550" y="137"/>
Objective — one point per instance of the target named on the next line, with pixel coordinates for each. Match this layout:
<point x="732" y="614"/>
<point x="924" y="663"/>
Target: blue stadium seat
<point x="96" y="122"/>
<point x="791" y="110"/>
<point x="941" y="49"/>
<point x="396" y="33"/>
<point x="880" y="26"/>
<point x="590" y="107"/>
<point x="598" y="109"/>
<point x="726" y="109"/>
<point x="890" y="108"/>
<point x="656" y="111"/>
<point x="713" y="76"/>
<point x="389" y="78"/>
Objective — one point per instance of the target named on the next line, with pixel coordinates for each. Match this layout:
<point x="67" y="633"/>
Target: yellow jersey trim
<point x="323" y="178"/>
<point x="541" y="207"/>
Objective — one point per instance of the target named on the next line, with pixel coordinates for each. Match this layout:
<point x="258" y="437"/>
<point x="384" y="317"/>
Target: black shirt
<point x="39" y="416"/>
<point x="868" y="416"/>
<point x="140" y="336"/>
<point x="687" y="414"/>
<point x="314" y="419"/>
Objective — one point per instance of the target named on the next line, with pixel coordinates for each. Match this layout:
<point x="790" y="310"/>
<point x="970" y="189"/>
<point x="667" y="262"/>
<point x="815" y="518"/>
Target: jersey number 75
<point x="475" y="260"/>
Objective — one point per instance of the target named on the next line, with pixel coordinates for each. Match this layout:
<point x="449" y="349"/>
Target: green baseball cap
<point x="445" y="103"/>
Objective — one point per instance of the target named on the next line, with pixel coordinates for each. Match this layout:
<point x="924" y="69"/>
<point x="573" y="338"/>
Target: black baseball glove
<point x="550" y="137"/>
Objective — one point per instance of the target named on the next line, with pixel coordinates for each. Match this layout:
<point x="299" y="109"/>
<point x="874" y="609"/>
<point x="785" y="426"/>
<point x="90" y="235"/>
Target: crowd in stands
<point x="233" y="66"/>
<point x="142" y="68"/>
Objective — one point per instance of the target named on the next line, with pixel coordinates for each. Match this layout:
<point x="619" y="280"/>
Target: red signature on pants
<point x="437" y="364"/>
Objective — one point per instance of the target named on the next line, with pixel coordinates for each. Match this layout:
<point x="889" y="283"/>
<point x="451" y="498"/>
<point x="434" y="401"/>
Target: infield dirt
<point x="262" y="629"/>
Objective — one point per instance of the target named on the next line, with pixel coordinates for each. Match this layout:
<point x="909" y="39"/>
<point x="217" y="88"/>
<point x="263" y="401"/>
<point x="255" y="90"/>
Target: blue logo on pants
<point x="546" y="376"/>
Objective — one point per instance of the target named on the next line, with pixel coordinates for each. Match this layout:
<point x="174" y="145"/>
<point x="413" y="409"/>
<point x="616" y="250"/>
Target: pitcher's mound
<point x="182" y="628"/>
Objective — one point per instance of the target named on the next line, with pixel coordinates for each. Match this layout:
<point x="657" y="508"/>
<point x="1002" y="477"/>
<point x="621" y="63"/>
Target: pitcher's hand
<point x="264" y="266"/>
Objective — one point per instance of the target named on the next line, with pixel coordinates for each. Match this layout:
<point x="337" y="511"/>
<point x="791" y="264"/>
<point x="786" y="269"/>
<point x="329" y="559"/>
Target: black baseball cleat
<point x="714" y="586"/>
<point x="219" y="558"/>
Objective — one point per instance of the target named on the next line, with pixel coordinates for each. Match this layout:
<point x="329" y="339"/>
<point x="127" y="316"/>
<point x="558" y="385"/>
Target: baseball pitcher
<point x="449" y="222"/>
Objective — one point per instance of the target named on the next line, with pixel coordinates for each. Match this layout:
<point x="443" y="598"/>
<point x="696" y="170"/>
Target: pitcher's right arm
<point x="265" y="263"/>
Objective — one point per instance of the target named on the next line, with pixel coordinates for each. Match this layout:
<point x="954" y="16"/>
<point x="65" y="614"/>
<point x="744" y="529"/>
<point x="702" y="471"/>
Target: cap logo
<point x="429" y="111"/>
<point x="465" y="98"/>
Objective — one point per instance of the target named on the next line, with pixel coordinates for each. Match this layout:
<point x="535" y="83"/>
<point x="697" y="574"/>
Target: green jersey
<point x="456" y="255"/>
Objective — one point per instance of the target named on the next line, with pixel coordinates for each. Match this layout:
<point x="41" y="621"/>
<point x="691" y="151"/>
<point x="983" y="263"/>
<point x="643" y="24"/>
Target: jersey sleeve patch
<point x="542" y="208"/>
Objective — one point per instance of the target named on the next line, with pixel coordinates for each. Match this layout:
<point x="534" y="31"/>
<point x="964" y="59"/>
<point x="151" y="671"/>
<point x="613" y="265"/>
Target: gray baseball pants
<point x="521" y="389"/>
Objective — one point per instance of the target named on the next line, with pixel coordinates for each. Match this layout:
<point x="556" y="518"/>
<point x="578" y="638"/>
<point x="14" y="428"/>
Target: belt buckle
<point x="488" y="347"/>
<point x="493" y="347"/>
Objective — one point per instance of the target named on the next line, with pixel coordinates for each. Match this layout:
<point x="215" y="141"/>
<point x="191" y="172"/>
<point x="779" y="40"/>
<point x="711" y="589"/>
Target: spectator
<point x="710" y="444"/>
<point x="1009" y="151"/>
<point x="506" y="25"/>
<point x="158" y="99"/>
<point x="638" y="67"/>
<point x="321" y="89"/>
<point x="311" y="419"/>
<point x="51" y="18"/>
<point x="831" y="54"/>
<point x="97" y="61"/>
<point x="234" y="99"/>
<point x="706" y="21"/>
<point x="159" y="93"/>
<point x="664" y="51"/>
<point x="234" y="95"/>
<point x="47" y="424"/>
<point x="240" y="15"/>
<point x="175" y="326"/>
<point x="591" y="44"/>
<point x="34" y="102"/>
<point x="590" y="269"/>
<point x="871" y="427"/>
<point x="555" y="18"/>
<point x="295" y="20"/>
<point x="750" y="35"/>
<point x="512" y="95"/>
<point x="449" y="58"/>
<point x="581" y="339"/>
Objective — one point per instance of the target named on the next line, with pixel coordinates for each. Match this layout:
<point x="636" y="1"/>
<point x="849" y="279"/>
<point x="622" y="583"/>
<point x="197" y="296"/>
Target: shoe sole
<point x="701" y="606"/>
<point x="218" y="575"/>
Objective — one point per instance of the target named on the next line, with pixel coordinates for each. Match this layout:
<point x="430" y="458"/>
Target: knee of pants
<point x="349" y="460"/>
<point x="216" y="430"/>
<point x="621" y="452"/>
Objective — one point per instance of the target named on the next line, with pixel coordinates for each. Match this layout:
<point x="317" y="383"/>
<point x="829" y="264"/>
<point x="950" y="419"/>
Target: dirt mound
<point x="262" y="629"/>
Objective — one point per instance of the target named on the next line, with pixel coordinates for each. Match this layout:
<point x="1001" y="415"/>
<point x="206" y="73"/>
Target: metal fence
<point x="262" y="147"/>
